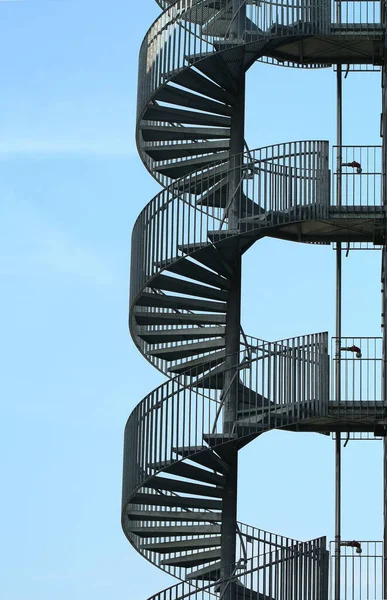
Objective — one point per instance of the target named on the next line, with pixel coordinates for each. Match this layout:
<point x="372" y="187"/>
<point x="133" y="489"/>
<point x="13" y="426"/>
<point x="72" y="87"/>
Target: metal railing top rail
<point x="360" y="173"/>
<point x="186" y="29"/>
<point x="361" y="361"/>
<point x="282" y="180"/>
<point x="263" y="574"/>
<point x="299" y="169"/>
<point x="181" y="414"/>
<point x="361" y="570"/>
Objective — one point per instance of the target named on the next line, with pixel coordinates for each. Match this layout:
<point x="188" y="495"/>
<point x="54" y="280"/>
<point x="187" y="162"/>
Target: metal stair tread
<point x="214" y="439"/>
<point x="188" y="268"/>
<point x="154" y="133"/>
<point x="182" y="545"/>
<point x="175" y="531"/>
<point x="192" y="560"/>
<point x="212" y="65"/>
<point x="207" y="255"/>
<point x="185" y="487"/>
<point x="170" y="318"/>
<point x="198" y="365"/>
<point x="198" y="185"/>
<point x="181" y="286"/>
<point x="210" y="573"/>
<point x="180" y="97"/>
<point x="220" y="24"/>
<point x="170" y="151"/>
<point x="188" y="471"/>
<point x="173" y="515"/>
<point x="176" y="501"/>
<point x="176" y="302"/>
<point x="156" y="112"/>
<point x="204" y="456"/>
<point x="179" y="169"/>
<point x="188" y="349"/>
<point x="191" y="79"/>
<point x="218" y="197"/>
<point x="175" y="335"/>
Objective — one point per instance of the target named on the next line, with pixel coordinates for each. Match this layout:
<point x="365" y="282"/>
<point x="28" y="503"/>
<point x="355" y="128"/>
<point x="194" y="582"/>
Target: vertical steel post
<point x="384" y="303"/>
<point x="338" y="332"/>
<point x="233" y="318"/>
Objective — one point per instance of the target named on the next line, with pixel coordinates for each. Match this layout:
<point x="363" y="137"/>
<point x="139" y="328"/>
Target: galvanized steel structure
<point x="224" y="387"/>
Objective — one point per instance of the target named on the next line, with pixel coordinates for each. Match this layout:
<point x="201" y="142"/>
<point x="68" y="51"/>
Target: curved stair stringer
<point x="173" y="490"/>
<point x="192" y="100"/>
<point x="181" y="254"/>
<point x="284" y="567"/>
<point x="155" y="508"/>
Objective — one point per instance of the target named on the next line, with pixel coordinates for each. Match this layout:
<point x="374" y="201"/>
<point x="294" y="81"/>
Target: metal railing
<point x="361" y="572"/>
<point x="364" y="14"/>
<point x="188" y="31"/>
<point x="283" y="183"/>
<point x="361" y="176"/>
<point x="361" y="370"/>
<point x="284" y="382"/>
<point x="299" y="572"/>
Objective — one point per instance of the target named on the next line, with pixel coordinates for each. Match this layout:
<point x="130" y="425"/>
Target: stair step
<point x="199" y="365"/>
<point x="187" y="268"/>
<point x="208" y="9"/>
<point x="213" y="380"/>
<point x="218" y="197"/>
<point x="214" y="439"/>
<point x="178" y="530"/>
<point x="184" y="350"/>
<point x="178" y="302"/>
<point x="165" y="318"/>
<point x="199" y="185"/>
<point x="176" y="115"/>
<point x="181" y="168"/>
<point x="212" y="65"/>
<point x="177" y="501"/>
<point x="169" y="151"/>
<point x="179" y="97"/>
<point x="208" y="256"/>
<point x="181" y="286"/>
<point x="251" y="399"/>
<point x="280" y="412"/>
<point x="219" y="26"/>
<point x="174" y="515"/>
<point x="243" y="593"/>
<point x="190" y="472"/>
<point x="161" y="133"/>
<point x="192" y="560"/>
<point x="210" y="573"/>
<point x="182" y="546"/>
<point x="191" y="79"/>
<point x="223" y="235"/>
<point x="185" y="487"/>
<point x="204" y="456"/>
<point x="179" y="335"/>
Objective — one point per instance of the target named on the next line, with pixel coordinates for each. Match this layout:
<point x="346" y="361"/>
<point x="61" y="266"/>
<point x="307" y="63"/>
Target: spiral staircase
<point x="218" y="197"/>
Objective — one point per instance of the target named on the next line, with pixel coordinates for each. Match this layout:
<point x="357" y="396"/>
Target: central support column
<point x="233" y="325"/>
<point x="384" y="304"/>
<point x="338" y="343"/>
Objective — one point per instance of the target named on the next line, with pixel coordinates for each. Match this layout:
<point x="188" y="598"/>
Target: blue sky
<point x="71" y="186"/>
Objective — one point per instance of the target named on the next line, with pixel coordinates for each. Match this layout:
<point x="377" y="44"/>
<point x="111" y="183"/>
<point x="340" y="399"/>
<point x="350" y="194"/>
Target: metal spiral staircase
<point x="225" y="388"/>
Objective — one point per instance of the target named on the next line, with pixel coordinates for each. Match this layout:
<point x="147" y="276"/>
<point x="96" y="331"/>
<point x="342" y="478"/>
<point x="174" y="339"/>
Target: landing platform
<point x="356" y="416"/>
<point x="349" y="44"/>
<point x="309" y="224"/>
